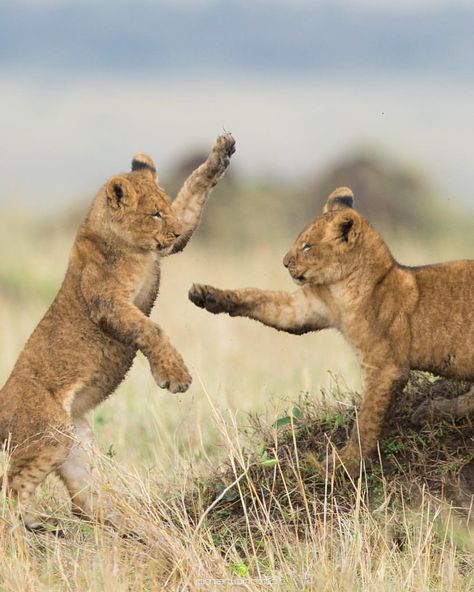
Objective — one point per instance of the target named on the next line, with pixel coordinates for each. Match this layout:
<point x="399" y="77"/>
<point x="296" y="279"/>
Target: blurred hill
<point x="251" y="217"/>
<point x="395" y="197"/>
<point x="388" y="194"/>
<point x="250" y="222"/>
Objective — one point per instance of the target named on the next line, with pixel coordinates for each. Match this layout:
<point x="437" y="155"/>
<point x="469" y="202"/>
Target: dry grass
<point x="217" y="498"/>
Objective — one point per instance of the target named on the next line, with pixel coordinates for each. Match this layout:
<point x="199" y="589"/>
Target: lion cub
<point x="86" y="342"/>
<point x="396" y="318"/>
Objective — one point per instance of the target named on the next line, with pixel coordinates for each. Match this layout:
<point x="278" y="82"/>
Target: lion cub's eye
<point x="305" y="247"/>
<point x="156" y="215"/>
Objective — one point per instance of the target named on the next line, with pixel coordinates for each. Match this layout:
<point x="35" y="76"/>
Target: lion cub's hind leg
<point x="444" y="408"/>
<point x="78" y="474"/>
<point x="29" y="466"/>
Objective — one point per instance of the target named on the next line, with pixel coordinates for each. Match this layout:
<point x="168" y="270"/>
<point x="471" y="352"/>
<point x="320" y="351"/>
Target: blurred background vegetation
<point x="247" y="213"/>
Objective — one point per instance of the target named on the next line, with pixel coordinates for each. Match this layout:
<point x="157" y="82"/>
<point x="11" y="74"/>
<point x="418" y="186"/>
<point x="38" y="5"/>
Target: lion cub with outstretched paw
<point x="83" y="347"/>
<point x="397" y="318"/>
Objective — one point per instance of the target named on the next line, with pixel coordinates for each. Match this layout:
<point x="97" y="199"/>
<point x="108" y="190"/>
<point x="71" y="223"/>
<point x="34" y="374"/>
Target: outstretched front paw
<point x="219" y="158"/>
<point x="170" y="372"/>
<point x="212" y="299"/>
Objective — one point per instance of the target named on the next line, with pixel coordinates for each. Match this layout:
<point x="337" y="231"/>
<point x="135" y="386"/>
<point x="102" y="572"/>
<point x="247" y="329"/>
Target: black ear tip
<point x="344" y="200"/>
<point x="340" y="198"/>
<point x="343" y="196"/>
<point x="138" y="165"/>
<point x="141" y="161"/>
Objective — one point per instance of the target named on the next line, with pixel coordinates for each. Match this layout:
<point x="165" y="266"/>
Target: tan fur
<point x="86" y="342"/>
<point x="396" y="318"/>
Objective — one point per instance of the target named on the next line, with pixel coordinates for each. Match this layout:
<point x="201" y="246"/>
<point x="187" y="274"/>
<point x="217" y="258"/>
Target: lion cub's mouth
<point x="164" y="246"/>
<point x="299" y="279"/>
<point x="163" y="249"/>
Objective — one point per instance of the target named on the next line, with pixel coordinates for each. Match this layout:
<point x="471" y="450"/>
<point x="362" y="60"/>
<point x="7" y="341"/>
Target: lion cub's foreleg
<point x="192" y="197"/>
<point x="380" y="384"/>
<point x="297" y="312"/>
<point x="125" y="322"/>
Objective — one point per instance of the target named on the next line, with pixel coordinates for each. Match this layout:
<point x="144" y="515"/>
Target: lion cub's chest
<point x="147" y="283"/>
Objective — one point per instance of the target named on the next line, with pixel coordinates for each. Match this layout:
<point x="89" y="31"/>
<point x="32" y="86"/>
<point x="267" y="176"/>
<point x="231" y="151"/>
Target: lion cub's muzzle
<point x="174" y="230"/>
<point x="171" y="238"/>
<point x="289" y="262"/>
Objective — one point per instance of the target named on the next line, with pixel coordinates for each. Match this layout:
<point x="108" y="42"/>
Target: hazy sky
<point x="383" y="4"/>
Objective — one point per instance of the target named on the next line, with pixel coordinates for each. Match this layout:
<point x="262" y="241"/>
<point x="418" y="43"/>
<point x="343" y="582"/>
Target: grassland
<point x="218" y="496"/>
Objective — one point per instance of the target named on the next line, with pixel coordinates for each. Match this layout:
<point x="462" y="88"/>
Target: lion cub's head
<point x="326" y="251"/>
<point x="139" y="210"/>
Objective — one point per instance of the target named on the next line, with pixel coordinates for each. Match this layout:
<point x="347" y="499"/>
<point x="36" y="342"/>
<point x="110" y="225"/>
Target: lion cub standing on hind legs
<point x="397" y="318"/>
<point x="85" y="344"/>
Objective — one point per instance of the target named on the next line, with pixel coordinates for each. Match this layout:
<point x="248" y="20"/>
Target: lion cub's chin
<point x="163" y="251"/>
<point x="299" y="281"/>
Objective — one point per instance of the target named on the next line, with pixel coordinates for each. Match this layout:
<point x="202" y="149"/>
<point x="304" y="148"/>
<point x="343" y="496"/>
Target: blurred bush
<point x="388" y="194"/>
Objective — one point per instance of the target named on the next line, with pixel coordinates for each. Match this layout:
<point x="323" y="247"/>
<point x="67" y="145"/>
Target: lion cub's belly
<point x="441" y="352"/>
<point x="94" y="382"/>
<point x="87" y="398"/>
<point x="442" y="325"/>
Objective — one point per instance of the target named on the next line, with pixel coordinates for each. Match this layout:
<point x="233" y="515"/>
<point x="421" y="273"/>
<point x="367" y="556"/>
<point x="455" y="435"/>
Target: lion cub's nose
<point x="177" y="229"/>
<point x="286" y="259"/>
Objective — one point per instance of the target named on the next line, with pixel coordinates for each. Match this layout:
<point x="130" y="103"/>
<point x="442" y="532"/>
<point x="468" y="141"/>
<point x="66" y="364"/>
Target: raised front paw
<point x="170" y="372"/>
<point x="219" y="158"/>
<point x="212" y="299"/>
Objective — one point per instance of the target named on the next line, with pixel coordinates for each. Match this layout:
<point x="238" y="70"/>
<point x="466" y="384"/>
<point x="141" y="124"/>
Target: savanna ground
<point x="216" y="484"/>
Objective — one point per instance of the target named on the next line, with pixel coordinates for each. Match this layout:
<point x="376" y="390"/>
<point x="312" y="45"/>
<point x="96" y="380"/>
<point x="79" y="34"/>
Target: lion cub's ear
<point x="339" y="199"/>
<point x="347" y="226"/>
<point x="120" y="193"/>
<point x="143" y="163"/>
